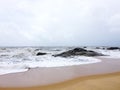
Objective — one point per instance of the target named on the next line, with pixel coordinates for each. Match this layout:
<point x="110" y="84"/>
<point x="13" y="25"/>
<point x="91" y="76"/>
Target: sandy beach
<point x="99" y="76"/>
<point x="59" y="44"/>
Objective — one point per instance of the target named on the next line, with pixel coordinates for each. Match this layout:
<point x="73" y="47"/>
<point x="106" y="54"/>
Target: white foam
<point x="107" y="53"/>
<point x="50" y="61"/>
<point x="110" y="53"/>
<point x="7" y="71"/>
<point x="19" y="60"/>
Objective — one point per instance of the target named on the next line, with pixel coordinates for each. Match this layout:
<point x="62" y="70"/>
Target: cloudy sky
<point x="59" y="22"/>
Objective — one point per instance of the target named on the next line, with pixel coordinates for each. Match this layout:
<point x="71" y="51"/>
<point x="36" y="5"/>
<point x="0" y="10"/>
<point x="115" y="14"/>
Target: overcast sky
<point x="59" y="22"/>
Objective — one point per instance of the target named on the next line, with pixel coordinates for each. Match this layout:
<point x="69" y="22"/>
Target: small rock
<point x="40" y="53"/>
<point x="84" y="47"/>
<point x="113" y="48"/>
<point x="98" y="48"/>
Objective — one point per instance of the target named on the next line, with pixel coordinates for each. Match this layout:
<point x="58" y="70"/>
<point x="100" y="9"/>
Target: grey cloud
<point x="59" y="22"/>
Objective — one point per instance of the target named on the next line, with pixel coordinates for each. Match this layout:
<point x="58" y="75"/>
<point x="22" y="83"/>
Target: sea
<point x="21" y="59"/>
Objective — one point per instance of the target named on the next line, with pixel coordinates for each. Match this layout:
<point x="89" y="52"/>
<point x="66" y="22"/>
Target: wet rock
<point x="97" y="48"/>
<point x="40" y="53"/>
<point x="84" y="47"/>
<point x="113" y="48"/>
<point x="104" y="48"/>
<point x="78" y="52"/>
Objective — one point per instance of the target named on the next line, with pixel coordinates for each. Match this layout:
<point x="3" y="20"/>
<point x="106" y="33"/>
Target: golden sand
<point x="95" y="82"/>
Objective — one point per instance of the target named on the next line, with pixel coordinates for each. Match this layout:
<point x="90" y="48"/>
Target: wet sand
<point x="95" y="82"/>
<point x="98" y="76"/>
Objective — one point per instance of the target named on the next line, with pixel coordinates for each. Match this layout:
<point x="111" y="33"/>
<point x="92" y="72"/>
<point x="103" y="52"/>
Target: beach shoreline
<point x="46" y="78"/>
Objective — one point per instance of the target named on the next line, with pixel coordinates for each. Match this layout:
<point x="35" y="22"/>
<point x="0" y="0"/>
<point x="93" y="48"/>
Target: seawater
<point x="16" y="59"/>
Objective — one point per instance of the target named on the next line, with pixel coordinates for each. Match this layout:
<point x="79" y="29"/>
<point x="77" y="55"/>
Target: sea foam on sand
<point x="44" y="61"/>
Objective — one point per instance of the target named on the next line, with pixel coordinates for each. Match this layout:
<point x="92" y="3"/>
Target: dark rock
<point x="84" y="47"/>
<point x="98" y="48"/>
<point x="78" y="52"/>
<point x="103" y="48"/>
<point x="113" y="48"/>
<point x="40" y="53"/>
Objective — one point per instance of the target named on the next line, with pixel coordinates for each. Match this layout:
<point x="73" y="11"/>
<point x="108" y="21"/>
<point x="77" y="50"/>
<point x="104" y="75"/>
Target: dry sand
<point x="99" y="76"/>
<point x="95" y="82"/>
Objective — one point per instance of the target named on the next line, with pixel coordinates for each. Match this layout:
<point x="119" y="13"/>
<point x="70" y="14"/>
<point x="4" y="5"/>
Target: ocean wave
<point x="21" y="59"/>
